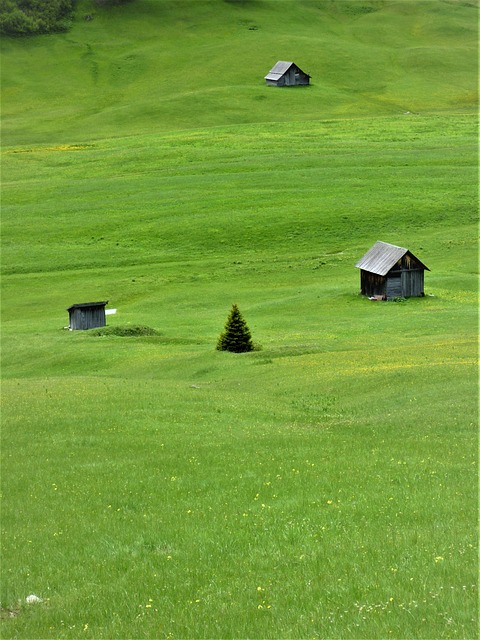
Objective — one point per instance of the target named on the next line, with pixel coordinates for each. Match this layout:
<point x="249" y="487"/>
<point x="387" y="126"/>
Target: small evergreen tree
<point x="236" y="336"/>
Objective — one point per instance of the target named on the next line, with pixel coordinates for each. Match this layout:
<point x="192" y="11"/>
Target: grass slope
<point x="321" y="487"/>
<point x="156" y="66"/>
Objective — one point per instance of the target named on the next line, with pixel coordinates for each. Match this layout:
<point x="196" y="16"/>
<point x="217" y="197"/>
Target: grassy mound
<point x="125" y="331"/>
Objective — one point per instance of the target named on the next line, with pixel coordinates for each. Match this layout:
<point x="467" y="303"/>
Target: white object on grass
<point x="32" y="599"/>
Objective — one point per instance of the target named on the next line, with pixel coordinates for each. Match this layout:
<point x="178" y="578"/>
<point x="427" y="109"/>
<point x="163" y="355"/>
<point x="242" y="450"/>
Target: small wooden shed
<point x="286" y="74"/>
<point x="87" y="315"/>
<point x="388" y="271"/>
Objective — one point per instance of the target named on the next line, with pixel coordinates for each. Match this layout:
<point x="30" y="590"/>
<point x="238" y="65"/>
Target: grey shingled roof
<point x="381" y="258"/>
<point x="278" y="70"/>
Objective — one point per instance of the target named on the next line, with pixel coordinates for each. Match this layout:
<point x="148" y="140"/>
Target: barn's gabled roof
<point x="382" y="257"/>
<point x="280" y="68"/>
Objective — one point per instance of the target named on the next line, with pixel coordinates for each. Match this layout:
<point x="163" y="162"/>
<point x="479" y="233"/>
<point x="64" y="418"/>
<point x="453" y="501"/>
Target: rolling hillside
<point x="321" y="486"/>
<point x="156" y="66"/>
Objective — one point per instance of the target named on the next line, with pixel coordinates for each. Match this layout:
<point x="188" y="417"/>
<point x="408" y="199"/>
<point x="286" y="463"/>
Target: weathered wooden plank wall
<point x="87" y="318"/>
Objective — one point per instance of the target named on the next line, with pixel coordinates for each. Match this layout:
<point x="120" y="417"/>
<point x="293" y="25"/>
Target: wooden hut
<point x="286" y="74"/>
<point x="87" y="315"/>
<point x="388" y="271"/>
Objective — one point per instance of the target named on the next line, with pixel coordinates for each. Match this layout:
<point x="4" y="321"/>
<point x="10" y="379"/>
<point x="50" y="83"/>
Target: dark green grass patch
<point x="125" y="331"/>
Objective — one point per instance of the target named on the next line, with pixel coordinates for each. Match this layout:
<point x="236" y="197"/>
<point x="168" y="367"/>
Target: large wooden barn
<point x="87" y="315"/>
<point x="389" y="271"/>
<point x="286" y="74"/>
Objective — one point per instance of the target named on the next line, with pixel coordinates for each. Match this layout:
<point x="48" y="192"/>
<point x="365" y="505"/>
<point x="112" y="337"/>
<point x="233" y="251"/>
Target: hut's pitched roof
<point x="280" y="68"/>
<point x="87" y="304"/>
<point x="382" y="257"/>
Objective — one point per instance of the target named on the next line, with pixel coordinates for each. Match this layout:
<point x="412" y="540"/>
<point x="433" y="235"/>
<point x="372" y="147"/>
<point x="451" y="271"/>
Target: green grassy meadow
<point x="324" y="486"/>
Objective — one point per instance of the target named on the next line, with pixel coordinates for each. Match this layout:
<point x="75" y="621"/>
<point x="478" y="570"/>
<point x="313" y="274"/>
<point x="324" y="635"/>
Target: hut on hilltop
<point x="286" y="74"/>
<point x="388" y="271"/>
<point x="87" y="315"/>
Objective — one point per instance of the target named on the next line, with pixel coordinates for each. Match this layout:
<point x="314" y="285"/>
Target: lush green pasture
<point x="324" y="486"/>
<point x="165" y="65"/>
